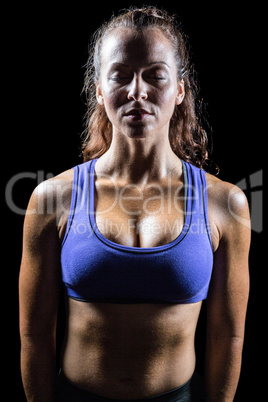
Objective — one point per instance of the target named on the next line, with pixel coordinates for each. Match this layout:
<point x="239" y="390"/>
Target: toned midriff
<point x="129" y="351"/>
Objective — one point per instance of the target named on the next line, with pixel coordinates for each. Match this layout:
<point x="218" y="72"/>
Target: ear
<point x="180" y="93"/>
<point x="99" y="95"/>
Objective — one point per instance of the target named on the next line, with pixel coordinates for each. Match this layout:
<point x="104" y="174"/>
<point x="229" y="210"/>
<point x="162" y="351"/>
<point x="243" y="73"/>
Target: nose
<point x="137" y="89"/>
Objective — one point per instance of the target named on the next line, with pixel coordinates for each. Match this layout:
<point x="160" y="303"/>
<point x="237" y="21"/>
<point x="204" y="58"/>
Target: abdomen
<point x="130" y="350"/>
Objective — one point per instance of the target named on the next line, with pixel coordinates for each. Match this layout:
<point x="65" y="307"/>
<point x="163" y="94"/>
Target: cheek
<point x="166" y="101"/>
<point x="113" y="99"/>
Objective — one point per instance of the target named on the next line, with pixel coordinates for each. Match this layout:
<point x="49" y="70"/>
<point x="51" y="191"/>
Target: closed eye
<point x="120" y="78"/>
<point x="155" y="74"/>
<point x="155" y="78"/>
<point x="151" y="77"/>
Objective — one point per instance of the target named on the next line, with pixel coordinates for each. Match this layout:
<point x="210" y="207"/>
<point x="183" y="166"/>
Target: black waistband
<point x="68" y="392"/>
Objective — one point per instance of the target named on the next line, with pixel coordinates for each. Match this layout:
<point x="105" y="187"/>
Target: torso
<point x="130" y="350"/>
<point x="134" y="350"/>
<point x="140" y="216"/>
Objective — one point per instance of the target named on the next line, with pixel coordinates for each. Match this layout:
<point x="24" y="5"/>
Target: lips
<point x="137" y="114"/>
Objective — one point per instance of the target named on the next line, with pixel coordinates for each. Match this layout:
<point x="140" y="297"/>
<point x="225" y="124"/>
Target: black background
<point x="45" y="48"/>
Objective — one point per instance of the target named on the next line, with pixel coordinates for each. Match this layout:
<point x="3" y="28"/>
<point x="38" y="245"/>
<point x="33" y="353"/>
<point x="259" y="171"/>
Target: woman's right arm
<point x="39" y="289"/>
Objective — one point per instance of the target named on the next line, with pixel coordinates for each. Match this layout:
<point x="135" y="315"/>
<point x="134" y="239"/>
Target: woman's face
<point x="138" y="83"/>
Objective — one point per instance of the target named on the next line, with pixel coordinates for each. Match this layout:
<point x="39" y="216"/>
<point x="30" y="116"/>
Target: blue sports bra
<point x="95" y="269"/>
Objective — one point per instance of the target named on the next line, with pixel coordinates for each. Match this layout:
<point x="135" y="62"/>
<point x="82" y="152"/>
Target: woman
<point x="139" y="234"/>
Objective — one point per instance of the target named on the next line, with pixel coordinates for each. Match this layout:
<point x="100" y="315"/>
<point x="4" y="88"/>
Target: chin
<point x="137" y="134"/>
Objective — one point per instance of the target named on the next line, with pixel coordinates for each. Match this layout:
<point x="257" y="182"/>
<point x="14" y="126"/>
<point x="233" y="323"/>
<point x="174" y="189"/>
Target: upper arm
<point x="40" y="273"/>
<point x="229" y="288"/>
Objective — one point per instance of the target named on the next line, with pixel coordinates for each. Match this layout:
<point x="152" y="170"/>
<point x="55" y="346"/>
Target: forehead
<point x="129" y="46"/>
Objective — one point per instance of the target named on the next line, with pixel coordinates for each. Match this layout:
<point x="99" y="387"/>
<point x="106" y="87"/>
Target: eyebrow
<point x="158" y="62"/>
<point x="147" y="65"/>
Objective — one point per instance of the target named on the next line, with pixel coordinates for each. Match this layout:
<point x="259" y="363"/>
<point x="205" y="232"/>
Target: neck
<point x="137" y="161"/>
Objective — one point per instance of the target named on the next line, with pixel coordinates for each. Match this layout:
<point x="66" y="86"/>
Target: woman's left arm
<point x="228" y="296"/>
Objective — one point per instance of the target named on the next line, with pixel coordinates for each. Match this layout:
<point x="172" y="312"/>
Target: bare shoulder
<point x="49" y="205"/>
<point x="52" y="194"/>
<point x="227" y="206"/>
<point x="225" y="194"/>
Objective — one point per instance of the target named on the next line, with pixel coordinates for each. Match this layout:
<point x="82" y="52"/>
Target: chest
<point x="140" y="216"/>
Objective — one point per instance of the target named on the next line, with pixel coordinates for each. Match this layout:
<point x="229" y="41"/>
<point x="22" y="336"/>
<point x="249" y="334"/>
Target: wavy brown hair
<point x="187" y="135"/>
